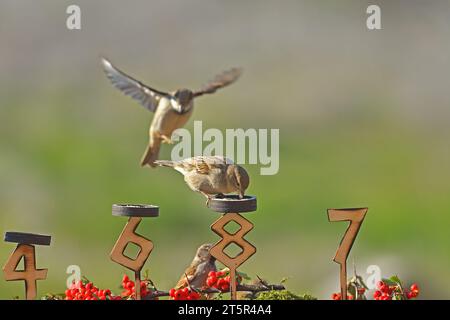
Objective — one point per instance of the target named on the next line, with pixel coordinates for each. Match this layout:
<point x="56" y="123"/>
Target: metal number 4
<point x="29" y="273"/>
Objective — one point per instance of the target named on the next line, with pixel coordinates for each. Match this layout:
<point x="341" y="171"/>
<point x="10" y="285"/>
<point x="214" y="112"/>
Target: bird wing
<point x="146" y="96"/>
<point x="222" y="80"/>
<point x="186" y="278"/>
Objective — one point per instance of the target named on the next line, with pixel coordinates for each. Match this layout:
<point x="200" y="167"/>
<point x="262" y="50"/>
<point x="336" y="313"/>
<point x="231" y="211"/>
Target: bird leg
<point x="208" y="197"/>
<point x="166" y="139"/>
<point x="163" y="137"/>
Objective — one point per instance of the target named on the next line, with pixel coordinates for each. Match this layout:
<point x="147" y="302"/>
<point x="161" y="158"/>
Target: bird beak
<point x="178" y="108"/>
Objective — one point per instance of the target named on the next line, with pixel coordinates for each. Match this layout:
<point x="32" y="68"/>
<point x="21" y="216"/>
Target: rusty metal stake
<point x="356" y="217"/>
<point x="25" y="248"/>
<point x="231" y="207"/>
<point x="129" y="235"/>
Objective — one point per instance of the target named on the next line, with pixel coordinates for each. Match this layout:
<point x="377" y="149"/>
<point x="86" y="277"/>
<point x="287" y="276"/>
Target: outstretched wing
<point x="222" y="80"/>
<point x="146" y="96"/>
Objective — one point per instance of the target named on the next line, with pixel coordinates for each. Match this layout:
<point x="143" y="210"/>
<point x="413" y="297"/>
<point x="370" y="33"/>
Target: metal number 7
<point x="355" y="216"/>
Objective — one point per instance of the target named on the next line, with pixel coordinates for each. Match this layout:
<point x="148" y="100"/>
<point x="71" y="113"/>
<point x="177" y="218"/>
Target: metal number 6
<point x="355" y="216"/>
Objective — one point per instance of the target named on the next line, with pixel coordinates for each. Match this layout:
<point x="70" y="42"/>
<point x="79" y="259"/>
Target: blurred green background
<point x="363" y="116"/>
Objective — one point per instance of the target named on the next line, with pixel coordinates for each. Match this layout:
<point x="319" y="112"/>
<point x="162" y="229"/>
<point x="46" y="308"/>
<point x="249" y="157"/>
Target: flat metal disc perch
<point x="27" y="238"/>
<point x="232" y="204"/>
<point x="135" y="210"/>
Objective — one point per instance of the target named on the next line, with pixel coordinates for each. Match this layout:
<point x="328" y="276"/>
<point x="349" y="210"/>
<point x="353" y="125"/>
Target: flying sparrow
<point x="211" y="175"/>
<point x="172" y="110"/>
<point x="197" y="273"/>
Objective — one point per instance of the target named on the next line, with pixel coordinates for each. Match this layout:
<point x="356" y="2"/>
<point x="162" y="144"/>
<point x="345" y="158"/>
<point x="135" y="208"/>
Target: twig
<point x="254" y="288"/>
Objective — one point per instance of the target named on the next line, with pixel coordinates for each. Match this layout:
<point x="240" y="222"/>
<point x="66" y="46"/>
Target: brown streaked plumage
<point x="197" y="272"/>
<point x="172" y="110"/>
<point x="211" y="175"/>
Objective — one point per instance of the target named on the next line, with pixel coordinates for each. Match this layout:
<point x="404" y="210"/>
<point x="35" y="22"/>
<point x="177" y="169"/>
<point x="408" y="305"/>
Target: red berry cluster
<point x="184" y="294"/>
<point x="220" y="280"/>
<point x="394" y="292"/>
<point x="413" y="291"/>
<point x="338" y="296"/>
<point x="87" y="291"/>
<point x="129" y="291"/>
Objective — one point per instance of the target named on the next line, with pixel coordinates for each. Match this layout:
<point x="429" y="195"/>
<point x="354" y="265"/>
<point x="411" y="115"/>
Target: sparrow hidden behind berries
<point x="197" y="273"/>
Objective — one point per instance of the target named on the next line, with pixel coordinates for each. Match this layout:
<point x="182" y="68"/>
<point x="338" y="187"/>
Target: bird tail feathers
<point x="165" y="163"/>
<point x="151" y="154"/>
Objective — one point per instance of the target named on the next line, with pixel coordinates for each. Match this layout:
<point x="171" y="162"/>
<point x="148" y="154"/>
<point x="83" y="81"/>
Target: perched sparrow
<point x="197" y="273"/>
<point x="211" y="175"/>
<point x="172" y="110"/>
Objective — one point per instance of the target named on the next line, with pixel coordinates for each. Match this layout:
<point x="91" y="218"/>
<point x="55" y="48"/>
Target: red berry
<point x="68" y="293"/>
<point x="380" y="284"/>
<point x="177" y="295"/>
<point x="220" y="282"/>
<point x="195" y="295"/>
<point x="127" y="293"/>
<point x="172" y="292"/>
<point x="377" y="294"/>
<point x="185" y="291"/>
<point x="349" y="297"/>
<point x="129" y="285"/>
<point x="385" y="296"/>
<point x="225" y="287"/>
<point x="212" y="274"/>
<point x="414" y="287"/>
<point x="336" y="296"/>
<point x="125" y="278"/>
<point x="211" y="281"/>
<point x="220" y="274"/>
<point x="384" y="288"/>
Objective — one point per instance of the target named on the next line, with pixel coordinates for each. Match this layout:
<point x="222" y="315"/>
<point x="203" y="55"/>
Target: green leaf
<point x="244" y="275"/>
<point x="395" y="279"/>
<point x="284" y="280"/>
<point x="389" y="282"/>
<point x="283" y="295"/>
